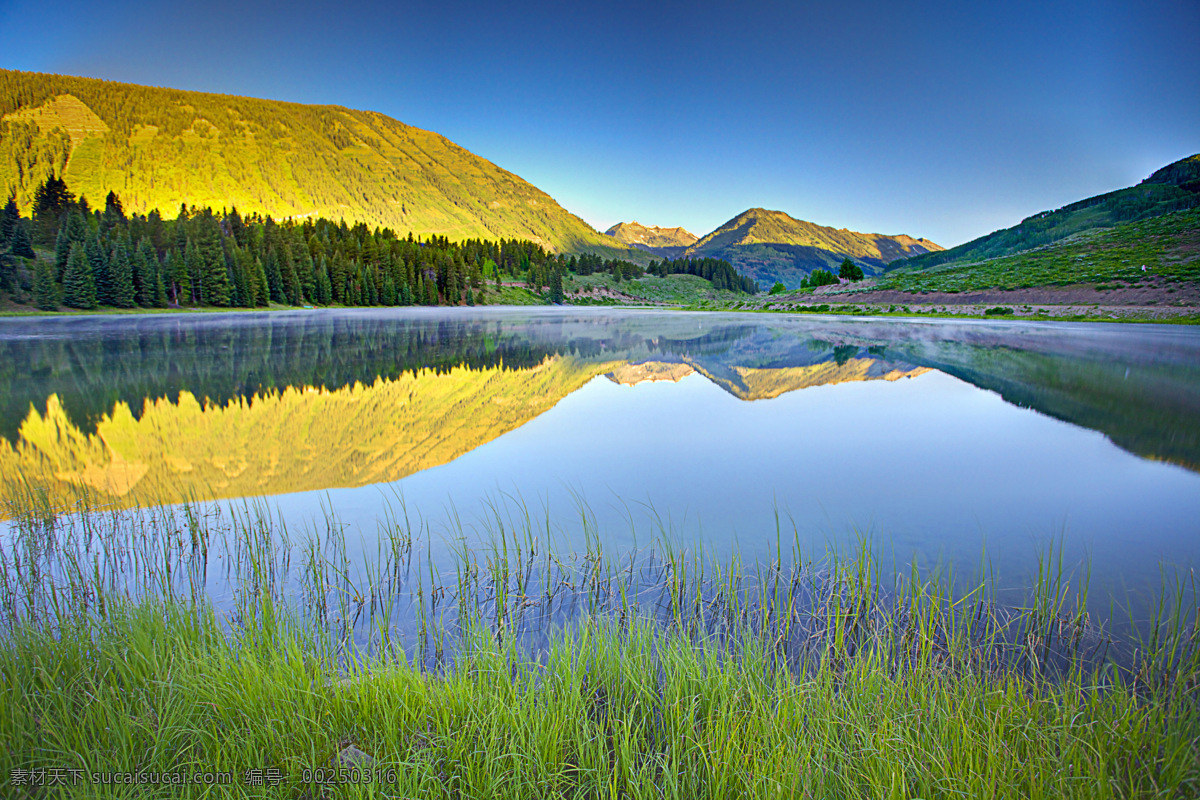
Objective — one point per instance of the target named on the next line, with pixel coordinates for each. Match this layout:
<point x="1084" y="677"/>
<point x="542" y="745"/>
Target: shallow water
<point x="727" y="433"/>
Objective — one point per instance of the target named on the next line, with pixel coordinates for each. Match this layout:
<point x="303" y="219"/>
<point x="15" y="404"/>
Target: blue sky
<point x="943" y="120"/>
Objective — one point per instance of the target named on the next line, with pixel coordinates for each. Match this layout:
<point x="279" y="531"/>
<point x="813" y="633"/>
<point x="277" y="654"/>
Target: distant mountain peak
<point x="770" y="245"/>
<point x="651" y="237"/>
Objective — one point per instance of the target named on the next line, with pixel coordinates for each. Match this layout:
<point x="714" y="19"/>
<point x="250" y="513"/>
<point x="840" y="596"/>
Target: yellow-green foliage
<point x="175" y="450"/>
<point x="28" y="155"/>
<point x="159" y="147"/>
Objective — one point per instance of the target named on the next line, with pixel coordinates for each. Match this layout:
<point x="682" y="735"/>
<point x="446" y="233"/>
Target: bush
<point x="998" y="311"/>
<point x="850" y="271"/>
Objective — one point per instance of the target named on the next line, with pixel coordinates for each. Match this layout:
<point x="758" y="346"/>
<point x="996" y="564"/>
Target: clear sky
<point x="944" y="120"/>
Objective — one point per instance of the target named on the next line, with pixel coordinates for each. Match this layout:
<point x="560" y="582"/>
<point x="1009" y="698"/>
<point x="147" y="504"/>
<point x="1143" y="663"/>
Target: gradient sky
<point x="943" y="120"/>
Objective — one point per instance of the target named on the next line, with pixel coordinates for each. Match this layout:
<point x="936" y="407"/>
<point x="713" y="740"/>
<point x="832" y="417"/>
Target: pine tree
<point x="324" y="287"/>
<point x="160" y="291"/>
<point x="79" y="286"/>
<point x="153" y="289"/>
<point x="21" y="244"/>
<point x="262" y="292"/>
<point x="291" y="281"/>
<point x="114" y="214"/>
<point x="101" y="278"/>
<point x="75" y="231"/>
<point x="174" y="272"/>
<point x="275" y="277"/>
<point x="120" y="270"/>
<point x="62" y="251"/>
<point x="370" y="297"/>
<point x="243" y="275"/>
<point x="9" y="218"/>
<point x="145" y="264"/>
<point x="213" y="272"/>
<point x="194" y="268"/>
<point x="236" y="227"/>
<point x="307" y="271"/>
<point x="556" y="285"/>
<point x="51" y="201"/>
<point x="45" y="292"/>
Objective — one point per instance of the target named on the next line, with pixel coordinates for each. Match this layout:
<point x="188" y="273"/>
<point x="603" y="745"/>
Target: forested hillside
<point x="1175" y="187"/>
<point x="71" y="255"/>
<point x="159" y="147"/>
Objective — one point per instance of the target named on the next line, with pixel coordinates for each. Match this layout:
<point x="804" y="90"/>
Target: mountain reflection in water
<point x="159" y="409"/>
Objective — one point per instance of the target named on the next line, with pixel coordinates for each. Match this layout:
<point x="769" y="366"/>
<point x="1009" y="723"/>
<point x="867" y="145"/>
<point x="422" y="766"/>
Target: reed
<point x="188" y="640"/>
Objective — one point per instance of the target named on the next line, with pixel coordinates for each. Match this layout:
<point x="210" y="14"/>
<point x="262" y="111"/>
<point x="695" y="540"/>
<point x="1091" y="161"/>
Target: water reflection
<point x="940" y="440"/>
<point x="158" y="409"/>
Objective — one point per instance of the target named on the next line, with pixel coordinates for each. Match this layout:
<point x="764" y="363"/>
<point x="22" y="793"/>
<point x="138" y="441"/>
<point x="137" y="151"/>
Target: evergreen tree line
<point x="104" y="257"/>
<point x="720" y="272"/>
<point x="147" y="359"/>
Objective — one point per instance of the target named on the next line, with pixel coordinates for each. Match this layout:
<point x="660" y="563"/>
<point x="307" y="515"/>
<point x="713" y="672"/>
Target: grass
<point x="676" y="290"/>
<point x="1109" y="257"/>
<point x="507" y="295"/>
<point x="536" y="673"/>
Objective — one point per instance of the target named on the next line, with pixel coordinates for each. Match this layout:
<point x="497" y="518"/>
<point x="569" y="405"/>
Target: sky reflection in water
<point x="935" y="439"/>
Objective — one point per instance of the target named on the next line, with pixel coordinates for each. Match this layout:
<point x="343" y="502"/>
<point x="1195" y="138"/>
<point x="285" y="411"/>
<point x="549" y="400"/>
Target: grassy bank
<point x="1109" y="258"/>
<point x="675" y="676"/>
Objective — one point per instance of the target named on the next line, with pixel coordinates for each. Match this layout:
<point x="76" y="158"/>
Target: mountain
<point x="1175" y="187"/>
<point x="662" y="242"/>
<point x="1155" y="254"/>
<point x="289" y="440"/>
<point x="771" y="246"/>
<point x="159" y="147"/>
<point x="764" y="383"/>
<point x="293" y="438"/>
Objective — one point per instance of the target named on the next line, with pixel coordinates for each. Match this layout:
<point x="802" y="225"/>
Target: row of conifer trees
<point x="104" y="257"/>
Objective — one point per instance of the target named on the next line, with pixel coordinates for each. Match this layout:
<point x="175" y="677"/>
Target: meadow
<point x="537" y="672"/>
<point x="1167" y="246"/>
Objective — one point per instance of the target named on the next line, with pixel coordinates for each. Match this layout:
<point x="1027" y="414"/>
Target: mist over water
<point x="727" y="434"/>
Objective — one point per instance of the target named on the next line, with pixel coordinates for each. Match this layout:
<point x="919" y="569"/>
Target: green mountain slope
<point x="771" y="246"/>
<point x="1165" y="249"/>
<point x="1175" y="187"/>
<point x="159" y="147"/>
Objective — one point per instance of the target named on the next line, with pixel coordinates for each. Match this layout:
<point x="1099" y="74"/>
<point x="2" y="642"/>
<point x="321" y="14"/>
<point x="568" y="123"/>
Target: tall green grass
<point x="190" y="640"/>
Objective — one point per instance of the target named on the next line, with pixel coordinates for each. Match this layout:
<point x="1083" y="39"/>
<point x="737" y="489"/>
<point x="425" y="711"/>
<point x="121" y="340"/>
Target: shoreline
<point x="837" y="682"/>
<point x="1107" y="314"/>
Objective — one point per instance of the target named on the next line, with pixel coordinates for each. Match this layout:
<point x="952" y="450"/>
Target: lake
<point x="957" y="443"/>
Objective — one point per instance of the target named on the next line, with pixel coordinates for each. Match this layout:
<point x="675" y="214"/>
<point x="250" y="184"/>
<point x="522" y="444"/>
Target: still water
<point x="941" y="441"/>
